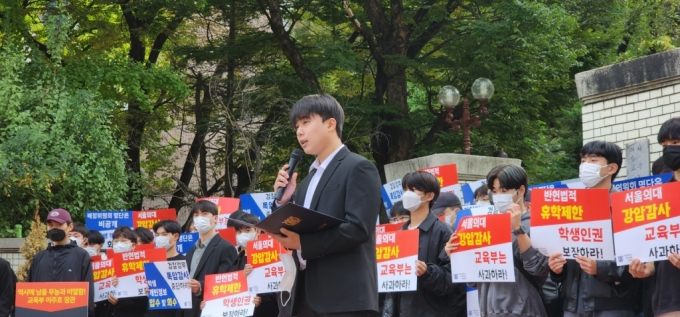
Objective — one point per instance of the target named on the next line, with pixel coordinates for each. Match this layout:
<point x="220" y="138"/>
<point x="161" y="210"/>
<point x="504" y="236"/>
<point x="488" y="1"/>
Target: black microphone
<point x="295" y="158"/>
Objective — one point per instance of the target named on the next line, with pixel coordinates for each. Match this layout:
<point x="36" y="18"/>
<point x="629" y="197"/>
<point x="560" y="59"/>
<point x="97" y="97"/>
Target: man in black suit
<point x="210" y="255"/>
<point x="337" y="274"/>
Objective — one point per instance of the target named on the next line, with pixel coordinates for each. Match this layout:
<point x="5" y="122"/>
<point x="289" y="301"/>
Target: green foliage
<point x="57" y="145"/>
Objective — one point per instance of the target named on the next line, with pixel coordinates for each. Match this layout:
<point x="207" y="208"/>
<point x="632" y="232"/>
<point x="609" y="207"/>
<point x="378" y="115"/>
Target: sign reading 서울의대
<point x="646" y="223"/>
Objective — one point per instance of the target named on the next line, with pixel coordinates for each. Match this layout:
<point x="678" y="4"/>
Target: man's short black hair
<point x="481" y="191"/>
<point x="659" y="167"/>
<point x="670" y="130"/>
<point x="323" y="105"/>
<point x="204" y="206"/>
<point x="509" y="177"/>
<point x="170" y="226"/>
<point x="81" y="228"/>
<point x="399" y="210"/>
<point x="95" y="237"/>
<point x="248" y="218"/>
<point x="125" y="232"/>
<point x="610" y="151"/>
<point x="144" y="235"/>
<point x="422" y="181"/>
<point x="235" y="215"/>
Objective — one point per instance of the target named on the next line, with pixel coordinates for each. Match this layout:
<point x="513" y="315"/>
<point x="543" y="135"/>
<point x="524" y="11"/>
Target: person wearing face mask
<point x="166" y="236"/>
<point x="508" y="185"/>
<point x="665" y="299"/>
<point x="482" y="196"/>
<point x="62" y="261"/>
<point x="95" y="242"/>
<point x="265" y="304"/>
<point x="124" y="240"/>
<point x="79" y="234"/>
<point x="210" y="255"/>
<point x="447" y="205"/>
<point x="436" y="294"/>
<point x="591" y="287"/>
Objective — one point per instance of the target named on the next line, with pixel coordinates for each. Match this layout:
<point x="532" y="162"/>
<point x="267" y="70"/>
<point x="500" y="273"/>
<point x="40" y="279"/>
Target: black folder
<point x="295" y="218"/>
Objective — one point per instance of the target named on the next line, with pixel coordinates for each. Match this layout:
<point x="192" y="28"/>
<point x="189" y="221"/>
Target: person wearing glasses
<point x="399" y="214"/>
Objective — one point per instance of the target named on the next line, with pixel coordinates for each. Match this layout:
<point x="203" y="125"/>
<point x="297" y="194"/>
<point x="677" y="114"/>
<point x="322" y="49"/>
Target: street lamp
<point x="449" y="96"/>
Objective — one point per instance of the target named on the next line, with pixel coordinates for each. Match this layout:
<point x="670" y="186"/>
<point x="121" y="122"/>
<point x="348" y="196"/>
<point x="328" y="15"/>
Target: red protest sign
<point x="388" y="227"/>
<point x="446" y="174"/>
<point x="228" y="234"/>
<point x="646" y="223"/>
<point x="572" y="222"/>
<point x="103" y="273"/>
<point x="268" y="268"/>
<point x="481" y="231"/>
<point x="129" y="268"/>
<point x="45" y="298"/>
<point x="147" y="218"/>
<point x="227" y="293"/>
<point x="225" y="205"/>
<point x="396" y="254"/>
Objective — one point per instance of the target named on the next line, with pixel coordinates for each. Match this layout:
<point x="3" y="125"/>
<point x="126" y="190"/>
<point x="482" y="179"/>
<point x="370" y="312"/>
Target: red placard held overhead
<point x="485" y="251"/>
<point x="148" y="218"/>
<point x="572" y="222"/>
<point x="396" y="254"/>
<point x="446" y="174"/>
<point x="646" y="223"/>
<point x="225" y="205"/>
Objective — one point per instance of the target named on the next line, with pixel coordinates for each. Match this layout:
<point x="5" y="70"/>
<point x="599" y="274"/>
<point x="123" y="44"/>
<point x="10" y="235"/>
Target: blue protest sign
<point x="186" y="241"/>
<point x="641" y="182"/>
<point x="106" y="221"/>
<point x="168" y="283"/>
<point x="391" y="193"/>
<point x="258" y="204"/>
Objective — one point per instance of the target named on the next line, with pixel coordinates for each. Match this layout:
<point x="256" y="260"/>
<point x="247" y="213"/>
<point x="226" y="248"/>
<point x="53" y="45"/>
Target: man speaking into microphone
<point x="337" y="274"/>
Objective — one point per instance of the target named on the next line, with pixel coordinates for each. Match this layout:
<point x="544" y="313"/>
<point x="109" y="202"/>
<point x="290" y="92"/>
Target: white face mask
<point x="411" y="200"/>
<point x="243" y="238"/>
<point x="202" y="224"/>
<point x="79" y="242"/>
<point x="589" y="174"/>
<point x="503" y="201"/>
<point x="482" y="203"/>
<point x="119" y="247"/>
<point x="92" y="251"/>
<point x="162" y="242"/>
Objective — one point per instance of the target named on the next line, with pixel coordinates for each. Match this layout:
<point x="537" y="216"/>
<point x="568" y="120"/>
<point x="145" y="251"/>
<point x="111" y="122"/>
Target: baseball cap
<point x="445" y="200"/>
<point x="59" y="215"/>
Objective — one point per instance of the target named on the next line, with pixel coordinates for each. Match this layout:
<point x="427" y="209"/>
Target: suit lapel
<point x="206" y="254"/>
<point x="327" y="173"/>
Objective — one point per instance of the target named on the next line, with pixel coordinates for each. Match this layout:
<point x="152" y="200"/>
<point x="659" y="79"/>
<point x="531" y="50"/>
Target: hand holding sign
<point x="675" y="259"/>
<point x="556" y="263"/>
<point x="587" y="265"/>
<point x="452" y="245"/>
<point x="516" y="213"/>
<point x="640" y="270"/>
<point x="421" y="268"/>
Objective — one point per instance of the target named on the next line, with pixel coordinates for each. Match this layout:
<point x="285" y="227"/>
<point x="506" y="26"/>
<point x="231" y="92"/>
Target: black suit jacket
<point x="218" y="257"/>
<point x="341" y="272"/>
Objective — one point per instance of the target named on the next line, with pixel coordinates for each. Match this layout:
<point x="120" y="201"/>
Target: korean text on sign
<point x="268" y="269"/>
<point x="573" y="222"/>
<point x="130" y="271"/>
<point x="227" y="295"/>
<point x="168" y="283"/>
<point x="485" y="250"/>
<point x="396" y="254"/>
<point x="646" y="222"/>
<point x="36" y="298"/>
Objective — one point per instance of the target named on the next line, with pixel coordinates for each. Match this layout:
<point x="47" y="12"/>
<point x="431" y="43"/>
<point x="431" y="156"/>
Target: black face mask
<point x="671" y="157"/>
<point x="56" y="235"/>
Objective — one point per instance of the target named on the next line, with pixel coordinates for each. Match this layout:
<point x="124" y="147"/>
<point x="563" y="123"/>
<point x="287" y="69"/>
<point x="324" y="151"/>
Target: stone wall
<point x="9" y="250"/>
<point x="629" y="101"/>
<point x="470" y="167"/>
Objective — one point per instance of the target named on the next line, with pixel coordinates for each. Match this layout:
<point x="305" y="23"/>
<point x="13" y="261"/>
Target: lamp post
<point x="449" y="96"/>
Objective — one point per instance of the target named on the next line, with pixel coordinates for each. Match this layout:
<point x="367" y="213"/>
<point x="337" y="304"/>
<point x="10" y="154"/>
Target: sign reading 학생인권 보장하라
<point x="646" y="223"/>
<point x="485" y="250"/>
<point x="572" y="222"/>
<point x="227" y="294"/>
<point x="396" y="254"/>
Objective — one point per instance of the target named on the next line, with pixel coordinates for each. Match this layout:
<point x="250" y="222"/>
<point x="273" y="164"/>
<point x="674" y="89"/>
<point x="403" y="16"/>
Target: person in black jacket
<point x="210" y="255"/>
<point x="593" y="287"/>
<point x="124" y="240"/>
<point x="8" y="283"/>
<point x="665" y="299"/>
<point x="62" y="261"/>
<point x="265" y="304"/>
<point x="436" y="294"/>
<point x="167" y="234"/>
